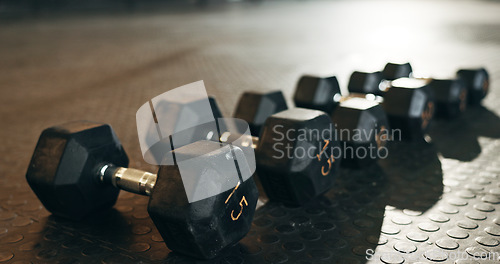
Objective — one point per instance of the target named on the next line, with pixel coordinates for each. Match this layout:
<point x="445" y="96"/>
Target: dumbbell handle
<point x="131" y="180"/>
<point x="137" y="181"/>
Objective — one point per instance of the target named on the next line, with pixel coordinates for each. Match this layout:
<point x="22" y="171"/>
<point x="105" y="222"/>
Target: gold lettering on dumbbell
<point x="243" y="200"/>
<point x="463" y="100"/>
<point x="330" y="160"/>
<point x="427" y="114"/>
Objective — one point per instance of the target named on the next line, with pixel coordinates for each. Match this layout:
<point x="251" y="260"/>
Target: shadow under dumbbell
<point x="108" y="227"/>
<point x="458" y="138"/>
<point x="408" y="182"/>
<point x="343" y="224"/>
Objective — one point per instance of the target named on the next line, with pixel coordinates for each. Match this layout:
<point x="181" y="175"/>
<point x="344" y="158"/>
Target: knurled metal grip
<point x="131" y="180"/>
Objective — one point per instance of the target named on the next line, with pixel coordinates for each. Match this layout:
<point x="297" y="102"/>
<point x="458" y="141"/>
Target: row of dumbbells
<point x="377" y="101"/>
<point x="78" y="168"/>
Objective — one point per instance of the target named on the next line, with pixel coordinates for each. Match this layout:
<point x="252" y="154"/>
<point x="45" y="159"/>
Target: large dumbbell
<point x="78" y="169"/>
<point x="362" y="124"/>
<point x="294" y="163"/>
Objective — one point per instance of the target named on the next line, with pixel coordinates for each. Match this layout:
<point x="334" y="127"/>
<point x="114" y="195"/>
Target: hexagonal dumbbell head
<point x="477" y="83"/>
<point x="297" y="156"/>
<point x="393" y="71"/>
<point x="363" y="131"/>
<point x="409" y="104"/>
<point x="204" y="227"/>
<point x="317" y="93"/>
<point x="256" y="107"/>
<point x="450" y="97"/>
<point x="62" y="171"/>
<point x="174" y="121"/>
<point x="365" y="83"/>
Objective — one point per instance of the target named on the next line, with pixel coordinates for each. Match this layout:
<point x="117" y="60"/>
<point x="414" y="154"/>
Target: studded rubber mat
<point x="426" y="203"/>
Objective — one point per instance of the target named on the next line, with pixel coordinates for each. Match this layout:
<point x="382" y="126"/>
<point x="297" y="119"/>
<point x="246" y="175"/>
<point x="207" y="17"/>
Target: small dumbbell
<point x="78" y="169"/>
<point x="408" y="103"/>
<point x="362" y="124"/>
<point x="293" y="170"/>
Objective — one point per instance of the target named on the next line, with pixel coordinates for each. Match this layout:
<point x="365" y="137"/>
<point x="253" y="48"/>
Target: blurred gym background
<point x="101" y="60"/>
<point x="38" y="7"/>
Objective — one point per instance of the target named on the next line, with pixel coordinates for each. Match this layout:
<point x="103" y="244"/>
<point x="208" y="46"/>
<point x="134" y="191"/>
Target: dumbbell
<point x="364" y="121"/>
<point x="78" y="168"/>
<point x="294" y="163"/>
<point x="477" y="82"/>
<point x="409" y="103"/>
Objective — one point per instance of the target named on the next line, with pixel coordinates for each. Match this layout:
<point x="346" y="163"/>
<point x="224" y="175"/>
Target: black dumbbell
<point x="409" y="103"/>
<point x="362" y="124"/>
<point x="292" y="169"/>
<point x="477" y="82"/>
<point x="450" y="95"/>
<point x="78" y="169"/>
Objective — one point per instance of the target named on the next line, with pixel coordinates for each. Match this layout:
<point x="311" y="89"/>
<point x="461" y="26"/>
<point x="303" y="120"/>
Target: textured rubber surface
<point x="430" y="201"/>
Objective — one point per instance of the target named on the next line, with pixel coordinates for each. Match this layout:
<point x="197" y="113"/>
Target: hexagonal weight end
<point x="287" y="161"/>
<point x="477" y="82"/>
<point x="450" y="96"/>
<point x="63" y="169"/>
<point x="393" y="71"/>
<point x="363" y="131"/>
<point x="256" y="107"/>
<point x="176" y="124"/>
<point x="365" y="82"/>
<point x="317" y="93"/>
<point x="410" y="106"/>
<point x="201" y="229"/>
